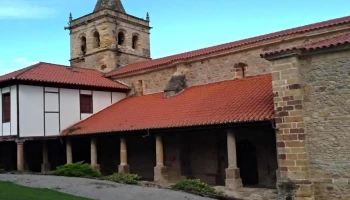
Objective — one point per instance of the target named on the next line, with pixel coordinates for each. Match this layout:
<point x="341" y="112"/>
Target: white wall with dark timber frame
<point x="9" y="128"/>
<point x="46" y="111"/>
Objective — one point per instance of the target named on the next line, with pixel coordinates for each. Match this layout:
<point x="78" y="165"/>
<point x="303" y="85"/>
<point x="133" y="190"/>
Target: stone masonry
<point x="109" y="54"/>
<point x="291" y="135"/>
<point x="325" y="82"/>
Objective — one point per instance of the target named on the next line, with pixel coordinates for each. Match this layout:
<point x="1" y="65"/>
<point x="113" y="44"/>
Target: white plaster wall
<point x="13" y="110"/>
<point x="52" y="126"/>
<point x="51" y="102"/>
<point x="84" y="116"/>
<point x="70" y="107"/>
<point x="117" y="96"/>
<point x="31" y="111"/>
<point x="6" y="129"/>
<point x="101" y="100"/>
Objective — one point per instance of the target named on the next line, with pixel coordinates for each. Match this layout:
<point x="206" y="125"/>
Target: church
<point x="259" y="112"/>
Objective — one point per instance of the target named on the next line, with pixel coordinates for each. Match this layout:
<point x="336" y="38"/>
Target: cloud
<point x="25" y="9"/>
<point x="24" y="61"/>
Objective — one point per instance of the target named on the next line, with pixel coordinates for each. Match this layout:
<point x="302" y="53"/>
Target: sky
<point x="33" y="30"/>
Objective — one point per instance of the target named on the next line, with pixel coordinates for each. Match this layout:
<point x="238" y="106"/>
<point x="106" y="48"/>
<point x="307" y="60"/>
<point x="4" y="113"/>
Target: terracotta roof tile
<point x="335" y="41"/>
<point x="244" y="100"/>
<point x="52" y="73"/>
<point x="182" y="56"/>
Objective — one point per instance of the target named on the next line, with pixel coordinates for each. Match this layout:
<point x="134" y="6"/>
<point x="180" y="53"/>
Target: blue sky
<point x="32" y="30"/>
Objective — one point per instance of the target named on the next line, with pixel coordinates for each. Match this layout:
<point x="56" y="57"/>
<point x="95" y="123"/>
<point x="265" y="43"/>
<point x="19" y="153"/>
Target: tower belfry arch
<point x="103" y="51"/>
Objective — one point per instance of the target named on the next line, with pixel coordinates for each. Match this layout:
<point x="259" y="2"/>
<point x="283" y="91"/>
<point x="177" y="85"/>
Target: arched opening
<point x="96" y="42"/>
<point x="135" y="41"/>
<point x="247" y="162"/>
<point x="121" y="38"/>
<point x="83" y="45"/>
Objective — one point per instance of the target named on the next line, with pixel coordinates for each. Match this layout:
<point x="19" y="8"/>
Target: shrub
<point x="2" y="171"/>
<point x="78" y="169"/>
<point x="132" y="179"/>
<point x="195" y="185"/>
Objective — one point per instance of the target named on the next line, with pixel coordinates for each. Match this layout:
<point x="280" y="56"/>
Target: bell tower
<point x="108" y="38"/>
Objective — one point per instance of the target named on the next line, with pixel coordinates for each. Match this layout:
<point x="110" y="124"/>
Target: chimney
<point x="138" y="88"/>
<point x="176" y="85"/>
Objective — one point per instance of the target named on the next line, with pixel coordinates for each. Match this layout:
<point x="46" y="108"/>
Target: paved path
<point x="97" y="189"/>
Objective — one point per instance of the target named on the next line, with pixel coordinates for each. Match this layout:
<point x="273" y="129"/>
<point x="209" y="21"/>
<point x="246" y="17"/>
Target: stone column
<point x="69" y="151"/>
<point x="93" y="154"/>
<point x="123" y="167"/>
<point x="45" y="167"/>
<point x="160" y="171"/>
<point x="233" y="178"/>
<point x="20" y="156"/>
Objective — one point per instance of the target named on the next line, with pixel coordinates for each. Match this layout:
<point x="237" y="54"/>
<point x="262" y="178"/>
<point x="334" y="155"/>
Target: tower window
<point x="135" y="41"/>
<point x="96" y="43"/>
<point x="83" y="45"/>
<point x="121" y="38"/>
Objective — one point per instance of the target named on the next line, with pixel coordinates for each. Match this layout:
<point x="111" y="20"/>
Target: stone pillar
<point x="45" y="166"/>
<point x="233" y="177"/>
<point x="123" y="167"/>
<point x="93" y="154"/>
<point x="291" y="134"/>
<point x="20" y="156"/>
<point x="69" y="151"/>
<point x="160" y="171"/>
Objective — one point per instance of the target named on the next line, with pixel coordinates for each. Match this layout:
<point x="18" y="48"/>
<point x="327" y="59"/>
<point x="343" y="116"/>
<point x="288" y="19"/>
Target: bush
<point x="2" y="171"/>
<point x="78" y="169"/>
<point x="132" y="179"/>
<point x="195" y="185"/>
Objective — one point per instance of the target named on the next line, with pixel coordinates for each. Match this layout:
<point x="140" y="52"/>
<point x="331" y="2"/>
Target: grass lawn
<point x="10" y="191"/>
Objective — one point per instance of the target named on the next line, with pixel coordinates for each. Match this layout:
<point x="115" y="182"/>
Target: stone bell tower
<point x="108" y="38"/>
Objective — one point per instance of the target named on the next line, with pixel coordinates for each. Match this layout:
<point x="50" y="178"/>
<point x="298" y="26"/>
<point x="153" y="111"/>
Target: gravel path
<point x="97" y="189"/>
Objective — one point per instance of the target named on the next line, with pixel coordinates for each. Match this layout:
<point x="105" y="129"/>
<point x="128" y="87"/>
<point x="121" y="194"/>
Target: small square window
<point x="6" y="107"/>
<point x="86" y="104"/>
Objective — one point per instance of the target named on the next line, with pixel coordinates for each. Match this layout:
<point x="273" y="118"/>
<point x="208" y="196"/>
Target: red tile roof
<point x="244" y="100"/>
<point x="335" y="41"/>
<point x="182" y="56"/>
<point x="52" y="73"/>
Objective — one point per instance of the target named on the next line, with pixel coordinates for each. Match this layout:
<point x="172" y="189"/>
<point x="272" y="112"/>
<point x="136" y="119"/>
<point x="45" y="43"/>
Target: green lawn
<point x="10" y="191"/>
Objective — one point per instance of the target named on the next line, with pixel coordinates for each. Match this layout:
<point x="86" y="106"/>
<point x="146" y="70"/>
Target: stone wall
<point x="217" y="67"/>
<point x="326" y="86"/>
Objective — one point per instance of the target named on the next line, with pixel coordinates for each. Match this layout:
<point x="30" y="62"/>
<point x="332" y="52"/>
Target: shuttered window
<point x="6" y="107"/>
<point x="86" y="104"/>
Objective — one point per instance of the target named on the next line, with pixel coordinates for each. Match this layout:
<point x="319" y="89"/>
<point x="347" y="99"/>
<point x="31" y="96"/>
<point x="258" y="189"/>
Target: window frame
<point x="83" y="110"/>
<point x="6" y="116"/>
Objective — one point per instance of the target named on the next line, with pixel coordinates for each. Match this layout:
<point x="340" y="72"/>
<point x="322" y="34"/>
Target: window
<point x="83" y="45"/>
<point x="6" y="107"/>
<point x="86" y="104"/>
<point x="135" y="41"/>
<point x="121" y="38"/>
<point x="96" y="40"/>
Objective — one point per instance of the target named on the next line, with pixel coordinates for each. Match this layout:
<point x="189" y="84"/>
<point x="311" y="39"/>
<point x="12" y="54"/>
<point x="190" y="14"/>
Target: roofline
<point x="258" y="42"/>
<point x="301" y="51"/>
<point x="15" y="80"/>
<point x="228" y="123"/>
